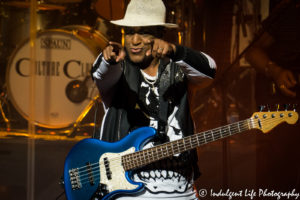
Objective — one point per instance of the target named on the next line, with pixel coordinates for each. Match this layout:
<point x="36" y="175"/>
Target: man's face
<point x="138" y="41"/>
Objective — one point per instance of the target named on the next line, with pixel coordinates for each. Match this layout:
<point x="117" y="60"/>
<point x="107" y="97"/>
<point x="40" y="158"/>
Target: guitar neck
<point x="147" y="156"/>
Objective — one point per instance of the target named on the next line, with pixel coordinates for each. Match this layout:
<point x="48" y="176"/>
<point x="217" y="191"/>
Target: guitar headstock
<point x="266" y="121"/>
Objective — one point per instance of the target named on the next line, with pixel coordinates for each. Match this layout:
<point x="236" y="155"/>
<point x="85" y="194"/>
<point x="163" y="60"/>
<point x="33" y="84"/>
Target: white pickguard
<point x="118" y="180"/>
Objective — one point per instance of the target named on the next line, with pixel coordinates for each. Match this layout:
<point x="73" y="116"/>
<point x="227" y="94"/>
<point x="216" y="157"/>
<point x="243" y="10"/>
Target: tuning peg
<point x="277" y="107"/>
<point x="268" y="107"/>
<point x="261" y="108"/>
<point x="286" y="106"/>
<point x="294" y="106"/>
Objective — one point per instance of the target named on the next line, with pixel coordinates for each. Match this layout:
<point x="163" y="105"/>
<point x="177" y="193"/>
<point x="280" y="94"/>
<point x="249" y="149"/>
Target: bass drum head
<point x="63" y="60"/>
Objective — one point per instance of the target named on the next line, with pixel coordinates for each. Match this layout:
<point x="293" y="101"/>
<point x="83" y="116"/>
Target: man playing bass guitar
<point x="145" y="83"/>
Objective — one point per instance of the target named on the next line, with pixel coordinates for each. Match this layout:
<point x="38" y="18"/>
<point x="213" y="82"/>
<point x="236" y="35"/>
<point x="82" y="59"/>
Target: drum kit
<point x="70" y="34"/>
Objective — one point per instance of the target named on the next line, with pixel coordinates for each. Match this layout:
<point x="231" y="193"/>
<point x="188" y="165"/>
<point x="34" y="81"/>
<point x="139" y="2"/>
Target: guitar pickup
<point x="75" y="179"/>
<point x="107" y="168"/>
<point x="90" y="173"/>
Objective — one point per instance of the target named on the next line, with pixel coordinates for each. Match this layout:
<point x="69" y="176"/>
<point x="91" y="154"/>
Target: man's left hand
<point x="161" y="48"/>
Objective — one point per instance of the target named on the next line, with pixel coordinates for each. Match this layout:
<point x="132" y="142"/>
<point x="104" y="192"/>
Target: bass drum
<point x="63" y="86"/>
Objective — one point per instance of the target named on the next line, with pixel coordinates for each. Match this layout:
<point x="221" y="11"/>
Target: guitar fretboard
<point x="147" y="156"/>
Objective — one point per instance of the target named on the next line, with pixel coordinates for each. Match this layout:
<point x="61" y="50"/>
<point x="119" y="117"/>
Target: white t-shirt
<point x="162" y="183"/>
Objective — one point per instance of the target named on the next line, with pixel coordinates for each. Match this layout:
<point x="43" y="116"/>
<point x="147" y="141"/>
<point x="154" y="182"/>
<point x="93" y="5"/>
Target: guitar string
<point x="86" y="180"/>
<point x="200" y="134"/>
<point x="240" y="130"/>
<point x="203" y="141"/>
<point x="220" y="134"/>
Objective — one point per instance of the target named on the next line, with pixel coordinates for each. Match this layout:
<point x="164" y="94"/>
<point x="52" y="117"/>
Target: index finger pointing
<point x="115" y="44"/>
<point x="116" y="47"/>
<point x="150" y="41"/>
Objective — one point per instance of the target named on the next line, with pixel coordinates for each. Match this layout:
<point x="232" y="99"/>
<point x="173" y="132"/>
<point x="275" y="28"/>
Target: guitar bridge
<point x="75" y="179"/>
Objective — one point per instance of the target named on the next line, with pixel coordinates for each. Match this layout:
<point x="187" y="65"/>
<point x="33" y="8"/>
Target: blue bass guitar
<point x="97" y="166"/>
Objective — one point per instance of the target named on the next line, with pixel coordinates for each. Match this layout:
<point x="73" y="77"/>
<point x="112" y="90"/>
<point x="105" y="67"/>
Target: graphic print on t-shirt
<point x="169" y="175"/>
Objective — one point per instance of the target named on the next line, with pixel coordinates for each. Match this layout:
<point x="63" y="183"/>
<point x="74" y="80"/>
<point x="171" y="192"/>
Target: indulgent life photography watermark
<point x="248" y="194"/>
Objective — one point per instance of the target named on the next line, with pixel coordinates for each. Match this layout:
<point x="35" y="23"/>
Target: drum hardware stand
<point x="77" y="125"/>
<point x="3" y="97"/>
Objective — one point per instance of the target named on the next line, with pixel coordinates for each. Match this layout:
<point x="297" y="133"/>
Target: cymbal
<point x="40" y="6"/>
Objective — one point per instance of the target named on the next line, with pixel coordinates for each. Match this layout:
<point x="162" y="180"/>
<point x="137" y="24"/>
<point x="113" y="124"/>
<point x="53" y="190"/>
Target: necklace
<point x="151" y="80"/>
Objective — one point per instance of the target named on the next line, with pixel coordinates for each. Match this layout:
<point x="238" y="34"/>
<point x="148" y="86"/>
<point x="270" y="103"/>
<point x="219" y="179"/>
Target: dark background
<point x="235" y="163"/>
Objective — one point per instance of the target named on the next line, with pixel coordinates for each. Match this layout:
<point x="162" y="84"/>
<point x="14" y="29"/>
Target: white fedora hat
<point x="145" y="13"/>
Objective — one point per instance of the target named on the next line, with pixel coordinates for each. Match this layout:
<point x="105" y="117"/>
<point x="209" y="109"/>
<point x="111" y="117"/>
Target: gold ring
<point x="282" y="86"/>
<point x="160" y="48"/>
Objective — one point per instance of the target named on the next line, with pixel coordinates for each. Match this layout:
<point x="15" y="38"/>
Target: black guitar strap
<point x="165" y="82"/>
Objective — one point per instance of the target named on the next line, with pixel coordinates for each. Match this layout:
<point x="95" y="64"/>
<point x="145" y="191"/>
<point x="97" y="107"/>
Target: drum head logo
<point x="61" y="58"/>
